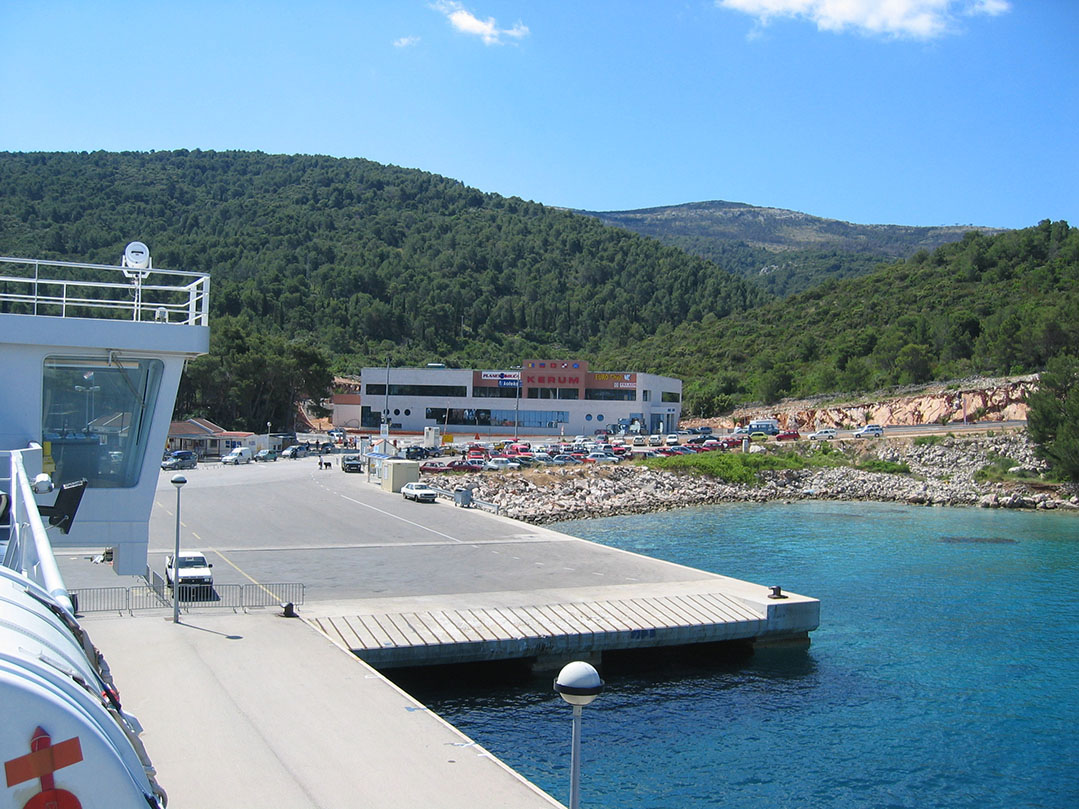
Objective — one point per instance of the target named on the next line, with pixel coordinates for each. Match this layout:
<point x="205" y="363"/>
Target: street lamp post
<point x="178" y="481"/>
<point x="578" y="684"/>
<point x="517" y="404"/>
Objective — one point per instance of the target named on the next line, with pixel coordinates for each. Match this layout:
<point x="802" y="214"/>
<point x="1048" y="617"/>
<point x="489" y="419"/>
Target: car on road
<point x="869" y="431"/>
<point x="758" y="436"/>
<point x="823" y="434"/>
<point x="266" y="455"/>
<point x="193" y="570"/>
<point x="420" y="492"/>
<point x="351" y="463"/>
<point x="295" y="451"/>
<point x="788" y="435"/>
<point x="180" y="459"/>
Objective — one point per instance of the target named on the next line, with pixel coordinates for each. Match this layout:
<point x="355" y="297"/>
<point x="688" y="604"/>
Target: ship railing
<point x="73" y="290"/>
<point x="28" y="550"/>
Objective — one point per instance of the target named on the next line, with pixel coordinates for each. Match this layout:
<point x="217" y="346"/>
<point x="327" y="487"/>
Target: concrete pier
<point x="257" y="709"/>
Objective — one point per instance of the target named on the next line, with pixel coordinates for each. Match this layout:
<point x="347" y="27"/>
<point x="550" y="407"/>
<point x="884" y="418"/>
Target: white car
<point x="194" y="570"/>
<point x="420" y="492"/>
<point x="500" y="464"/>
<point x="870" y="431"/>
<point x="672" y="440"/>
<point x="600" y="457"/>
<point x="823" y="434"/>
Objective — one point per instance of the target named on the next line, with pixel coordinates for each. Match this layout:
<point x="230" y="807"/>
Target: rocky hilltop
<point x="941" y="474"/>
<point x="972" y="400"/>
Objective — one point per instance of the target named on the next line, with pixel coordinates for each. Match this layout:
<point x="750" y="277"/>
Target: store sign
<point x="552" y="380"/>
<point x="615" y="377"/>
<point x="500" y="375"/>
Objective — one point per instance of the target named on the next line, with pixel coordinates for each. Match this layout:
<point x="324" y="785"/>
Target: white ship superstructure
<point x="91" y="357"/>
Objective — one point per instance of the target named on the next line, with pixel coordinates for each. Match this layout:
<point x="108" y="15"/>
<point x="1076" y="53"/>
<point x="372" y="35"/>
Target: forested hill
<point x="366" y="261"/>
<point x="786" y="251"/>
<point x="993" y="305"/>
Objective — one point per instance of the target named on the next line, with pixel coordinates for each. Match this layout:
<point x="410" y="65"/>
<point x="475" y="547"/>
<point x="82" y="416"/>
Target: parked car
<point x="467" y="465"/>
<point x="672" y="440"/>
<point x="564" y="460"/>
<point x="433" y="467"/>
<point x="823" y="434"/>
<point x="731" y="442"/>
<point x="295" y="451"/>
<point x="600" y="457"/>
<point x="351" y="463"/>
<point x="420" y="492"/>
<point x="266" y="455"/>
<point x="180" y="459"/>
<point x="501" y="464"/>
<point x="194" y="570"/>
<point x="788" y="435"/>
<point x="870" y="431"/>
<point x="758" y="436"/>
<point x="238" y="455"/>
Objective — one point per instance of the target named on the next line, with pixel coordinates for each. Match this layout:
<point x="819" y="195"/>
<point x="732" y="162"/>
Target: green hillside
<point x="1002" y="304"/>
<point x="365" y="261"/>
<point x="323" y="264"/>
<point x="785" y="251"/>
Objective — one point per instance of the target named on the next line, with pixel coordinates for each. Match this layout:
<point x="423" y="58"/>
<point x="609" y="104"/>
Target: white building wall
<point x="409" y="413"/>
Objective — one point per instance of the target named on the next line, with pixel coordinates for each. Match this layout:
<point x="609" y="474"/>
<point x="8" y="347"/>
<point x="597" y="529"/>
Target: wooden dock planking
<point x="423" y="637"/>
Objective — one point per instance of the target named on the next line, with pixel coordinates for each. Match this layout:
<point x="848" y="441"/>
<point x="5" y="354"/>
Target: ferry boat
<point x="91" y="357"/>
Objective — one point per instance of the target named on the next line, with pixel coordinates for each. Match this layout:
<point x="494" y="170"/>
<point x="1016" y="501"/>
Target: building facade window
<point x="379" y="389"/>
<point x="672" y="396"/>
<point x="609" y="395"/>
<point x="495" y="393"/>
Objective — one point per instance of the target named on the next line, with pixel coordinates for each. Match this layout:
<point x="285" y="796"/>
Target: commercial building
<point x="540" y="397"/>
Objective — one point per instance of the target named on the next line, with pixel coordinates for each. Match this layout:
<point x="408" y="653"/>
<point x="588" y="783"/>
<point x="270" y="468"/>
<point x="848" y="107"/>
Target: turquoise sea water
<point x="944" y="673"/>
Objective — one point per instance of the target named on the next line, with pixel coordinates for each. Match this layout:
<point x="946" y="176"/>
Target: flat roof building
<point x="541" y="397"/>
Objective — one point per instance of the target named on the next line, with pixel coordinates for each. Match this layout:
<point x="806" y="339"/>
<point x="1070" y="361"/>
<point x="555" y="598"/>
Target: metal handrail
<point x="28" y="550"/>
<point x="184" y="300"/>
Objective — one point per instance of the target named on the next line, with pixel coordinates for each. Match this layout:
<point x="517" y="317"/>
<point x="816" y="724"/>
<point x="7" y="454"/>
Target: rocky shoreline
<point x="942" y="474"/>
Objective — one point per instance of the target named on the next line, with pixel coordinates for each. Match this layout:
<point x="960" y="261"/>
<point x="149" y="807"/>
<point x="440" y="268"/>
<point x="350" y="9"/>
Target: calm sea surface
<point x="944" y="673"/>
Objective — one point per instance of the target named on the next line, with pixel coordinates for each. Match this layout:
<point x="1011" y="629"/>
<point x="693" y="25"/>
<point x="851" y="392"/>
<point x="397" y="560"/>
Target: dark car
<point x="467" y="465"/>
<point x="180" y="459"/>
<point x="351" y="463"/>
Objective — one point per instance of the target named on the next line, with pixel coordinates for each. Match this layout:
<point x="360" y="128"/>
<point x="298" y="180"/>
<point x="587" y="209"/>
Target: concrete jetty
<point x="248" y="709"/>
<point x="406" y="584"/>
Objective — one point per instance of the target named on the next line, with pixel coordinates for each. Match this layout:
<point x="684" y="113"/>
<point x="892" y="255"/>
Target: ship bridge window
<point x="96" y="416"/>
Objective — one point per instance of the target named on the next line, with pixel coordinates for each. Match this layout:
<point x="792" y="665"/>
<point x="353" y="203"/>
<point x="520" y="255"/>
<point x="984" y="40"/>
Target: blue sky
<point x="919" y="112"/>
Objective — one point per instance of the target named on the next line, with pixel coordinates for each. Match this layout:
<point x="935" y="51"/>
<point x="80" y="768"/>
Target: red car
<point x="434" y="467"/>
<point x="789" y="435"/>
<point x="466" y="466"/>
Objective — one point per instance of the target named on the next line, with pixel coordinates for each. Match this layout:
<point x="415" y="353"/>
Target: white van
<point x="238" y="455"/>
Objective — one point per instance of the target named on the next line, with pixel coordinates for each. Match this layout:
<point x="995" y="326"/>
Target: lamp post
<point x="517" y="403"/>
<point x="178" y="481"/>
<point x="578" y="684"/>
